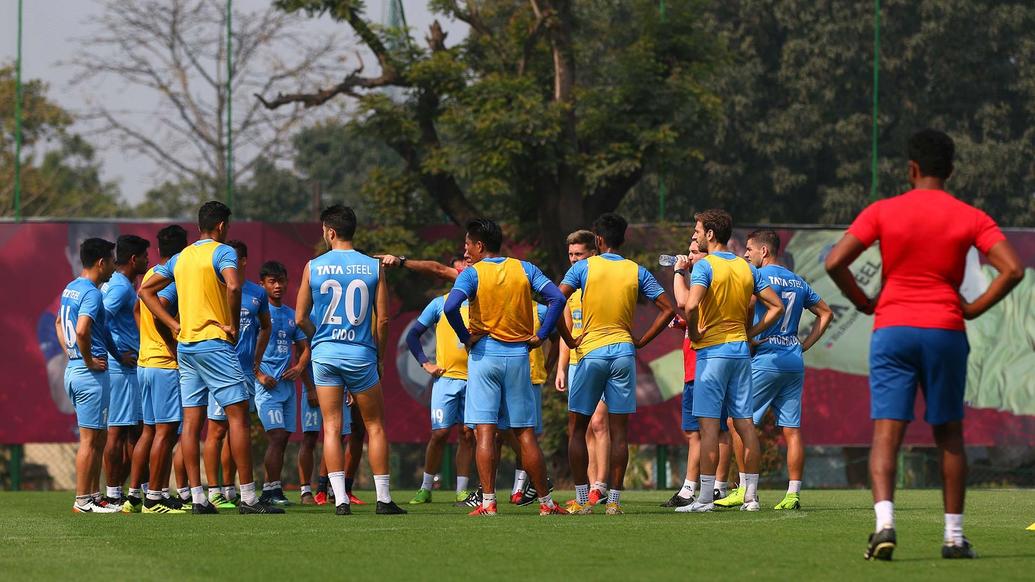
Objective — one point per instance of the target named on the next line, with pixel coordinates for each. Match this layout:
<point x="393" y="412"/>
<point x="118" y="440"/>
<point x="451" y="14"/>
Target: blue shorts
<point x="355" y="375"/>
<point x="782" y="391"/>
<point x="124" y="408"/>
<point x="160" y="395"/>
<point x="690" y="422"/>
<point x="277" y="407"/>
<point x="610" y="379"/>
<point x="312" y="419"/>
<point x="722" y="386"/>
<point x="902" y="358"/>
<point x="499" y="392"/>
<point x="89" y="391"/>
<point x="217" y="371"/>
<point x="447" y="402"/>
<point x="215" y="411"/>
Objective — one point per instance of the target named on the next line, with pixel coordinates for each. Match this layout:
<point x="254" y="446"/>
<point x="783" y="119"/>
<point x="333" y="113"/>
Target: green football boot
<point x="790" y="501"/>
<point x="734" y="499"/>
<point x="221" y="502"/>
<point x="422" y="496"/>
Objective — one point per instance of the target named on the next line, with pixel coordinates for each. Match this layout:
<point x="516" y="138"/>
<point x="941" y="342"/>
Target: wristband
<point x="682" y="272"/>
<point x="402" y="261"/>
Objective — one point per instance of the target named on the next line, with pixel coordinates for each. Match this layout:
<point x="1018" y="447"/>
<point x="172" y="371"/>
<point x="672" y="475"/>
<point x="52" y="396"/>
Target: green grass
<point x="41" y="539"/>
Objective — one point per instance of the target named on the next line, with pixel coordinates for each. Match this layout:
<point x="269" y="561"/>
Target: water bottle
<point x="666" y="260"/>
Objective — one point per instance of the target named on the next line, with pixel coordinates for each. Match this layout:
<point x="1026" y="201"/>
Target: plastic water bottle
<point x="666" y="260"/>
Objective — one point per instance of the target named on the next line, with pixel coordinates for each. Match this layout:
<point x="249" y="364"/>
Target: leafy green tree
<point x="60" y="174"/>
<point x="544" y="116"/>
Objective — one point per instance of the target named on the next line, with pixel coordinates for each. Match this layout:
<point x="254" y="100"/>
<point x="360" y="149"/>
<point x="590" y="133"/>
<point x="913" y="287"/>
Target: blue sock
<point x="348" y="485"/>
<point x="322" y="483"/>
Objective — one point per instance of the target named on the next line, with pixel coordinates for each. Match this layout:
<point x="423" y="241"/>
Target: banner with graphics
<point x="38" y="259"/>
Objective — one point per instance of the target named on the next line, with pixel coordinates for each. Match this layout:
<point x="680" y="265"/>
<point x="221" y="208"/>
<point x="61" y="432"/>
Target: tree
<point x="60" y="175"/>
<point x="176" y="49"/>
<point x="545" y="115"/>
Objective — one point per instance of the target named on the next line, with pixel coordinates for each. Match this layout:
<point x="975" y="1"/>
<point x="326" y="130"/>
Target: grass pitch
<point x="40" y="539"/>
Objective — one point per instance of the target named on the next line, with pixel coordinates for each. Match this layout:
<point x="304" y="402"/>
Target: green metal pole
<point x="229" y="108"/>
<point x="662" y="190"/>
<point x="662" y="460"/>
<point x="17" y="456"/>
<point x="876" y="85"/>
<point x="18" y="123"/>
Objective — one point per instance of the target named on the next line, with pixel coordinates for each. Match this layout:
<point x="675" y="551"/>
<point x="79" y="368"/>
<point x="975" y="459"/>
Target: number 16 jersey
<point x="344" y="286"/>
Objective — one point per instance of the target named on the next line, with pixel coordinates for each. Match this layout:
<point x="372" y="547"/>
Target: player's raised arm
<point x="841" y="257"/>
<point x="304" y="304"/>
<point x="381" y="305"/>
<point x="430" y="268"/>
<point x="824" y="315"/>
<point x="149" y="296"/>
<point x="1004" y="259"/>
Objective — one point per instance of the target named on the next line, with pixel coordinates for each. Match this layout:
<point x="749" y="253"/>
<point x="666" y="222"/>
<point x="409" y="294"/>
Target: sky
<point x="51" y="33"/>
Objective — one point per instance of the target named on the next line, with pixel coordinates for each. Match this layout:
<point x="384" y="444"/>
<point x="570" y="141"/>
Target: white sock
<point x="306" y="489"/>
<point x="113" y="492"/>
<point x="96" y="497"/>
<point x="338" y="486"/>
<point x="488" y="499"/>
<point x="461" y="483"/>
<point x="197" y="495"/>
<point x="428" y="483"/>
<point x="547" y="501"/>
<point x="154" y="495"/>
<point x="267" y="487"/>
<point x="165" y="493"/>
<point x="520" y="477"/>
<point x="954" y="528"/>
<point x="230" y="492"/>
<point x="614" y="495"/>
<point x="144" y="486"/>
<point x="138" y="493"/>
<point x="885" y="511"/>
<point x="184" y="493"/>
<point x="793" y="487"/>
<point x="722" y="486"/>
<point x="707" y="489"/>
<point x="740" y="484"/>
<point x="600" y="486"/>
<point x="381" y="487"/>
<point x="248" y="493"/>
<point x="214" y="491"/>
<point x="750" y="485"/>
<point x="582" y="494"/>
<point x="687" y="490"/>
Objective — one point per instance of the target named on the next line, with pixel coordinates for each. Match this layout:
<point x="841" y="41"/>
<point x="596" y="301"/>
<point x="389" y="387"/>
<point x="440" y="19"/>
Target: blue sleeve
<point x="576" y="275"/>
<point x="761" y="283"/>
<point x="556" y="302"/>
<point x="225" y="257"/>
<point x="466" y="283"/>
<point x="541" y="311"/>
<point x="116" y="299"/>
<point x="264" y="303"/>
<point x="811" y="297"/>
<point x="649" y="286"/>
<point x="169" y="293"/>
<point x="536" y="278"/>
<point x="432" y="312"/>
<point x="701" y="274"/>
<point x="168" y="268"/>
<point x="109" y="344"/>
<point x="452" y="310"/>
<point x="413" y="342"/>
<point x="91" y="305"/>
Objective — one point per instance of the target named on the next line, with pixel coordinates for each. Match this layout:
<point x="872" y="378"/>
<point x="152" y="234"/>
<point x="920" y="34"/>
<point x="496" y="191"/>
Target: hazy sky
<point x="50" y="32"/>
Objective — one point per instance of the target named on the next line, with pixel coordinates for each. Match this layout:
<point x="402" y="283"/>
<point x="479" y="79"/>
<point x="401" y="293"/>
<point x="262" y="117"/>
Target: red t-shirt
<point x="689" y="355"/>
<point x="924" y="239"/>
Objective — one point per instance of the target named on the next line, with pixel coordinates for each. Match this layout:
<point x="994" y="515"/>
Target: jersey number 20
<point x="356" y="287"/>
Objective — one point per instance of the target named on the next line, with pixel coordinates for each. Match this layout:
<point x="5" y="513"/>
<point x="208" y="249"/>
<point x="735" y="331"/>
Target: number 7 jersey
<point x="344" y="287"/>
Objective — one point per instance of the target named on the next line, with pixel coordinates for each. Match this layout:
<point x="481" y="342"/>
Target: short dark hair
<point x="211" y="214"/>
<point x="718" y="221"/>
<point x="611" y="227"/>
<point x="274" y="269"/>
<point x="93" y="250"/>
<point x="767" y="238"/>
<point x="933" y="151"/>
<point x="128" y="246"/>
<point x="342" y="219"/>
<point x="486" y="232"/>
<point x="240" y="247"/>
<point x="583" y="237"/>
<point x="171" y="240"/>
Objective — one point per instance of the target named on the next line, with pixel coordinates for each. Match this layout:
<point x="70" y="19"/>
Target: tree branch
<point x="352" y="82"/>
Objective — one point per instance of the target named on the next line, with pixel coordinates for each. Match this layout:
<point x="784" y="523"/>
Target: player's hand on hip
<point x="534" y="342"/>
<point x="969" y="311"/>
<point x="97" y="364"/>
<point x="129" y="359"/>
<point x="475" y="338"/>
<point x="267" y="381"/>
<point x="230" y="331"/>
<point x="292" y="373"/>
<point x="433" y="369"/>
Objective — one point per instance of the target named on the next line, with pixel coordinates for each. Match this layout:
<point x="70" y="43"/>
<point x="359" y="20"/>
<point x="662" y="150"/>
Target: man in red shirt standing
<point x="919" y="336"/>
